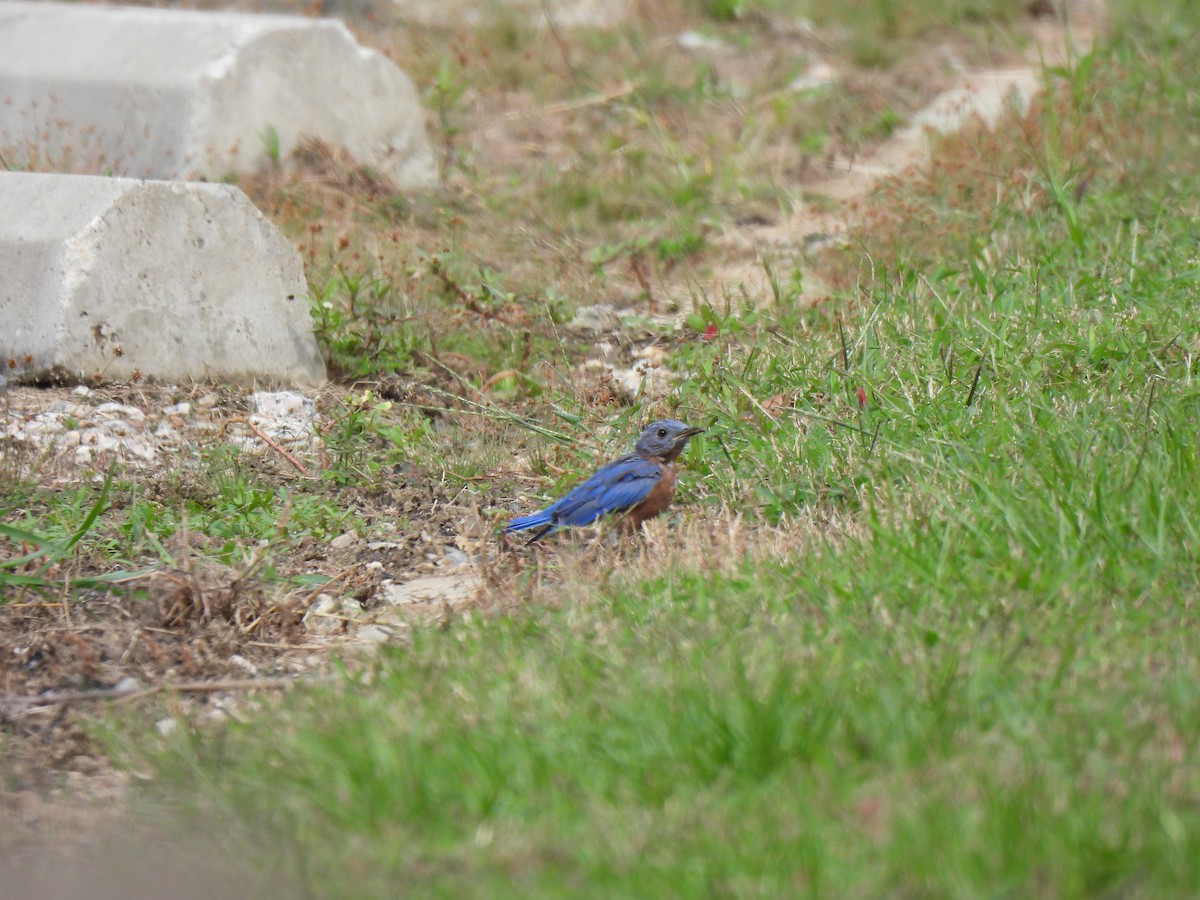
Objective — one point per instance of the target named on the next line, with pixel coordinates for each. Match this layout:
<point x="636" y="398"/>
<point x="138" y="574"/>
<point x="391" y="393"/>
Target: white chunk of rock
<point x="158" y="93"/>
<point x="986" y="96"/>
<point x="110" y="277"/>
<point x="433" y="590"/>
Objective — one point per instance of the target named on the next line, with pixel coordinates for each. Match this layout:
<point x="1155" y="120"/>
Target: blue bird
<point x="637" y="487"/>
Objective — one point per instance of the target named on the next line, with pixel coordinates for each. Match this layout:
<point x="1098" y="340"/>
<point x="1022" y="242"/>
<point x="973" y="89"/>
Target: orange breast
<point x="656" y="501"/>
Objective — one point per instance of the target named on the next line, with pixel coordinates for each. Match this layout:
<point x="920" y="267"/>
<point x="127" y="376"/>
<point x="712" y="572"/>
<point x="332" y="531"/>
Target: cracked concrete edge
<point x="119" y="278"/>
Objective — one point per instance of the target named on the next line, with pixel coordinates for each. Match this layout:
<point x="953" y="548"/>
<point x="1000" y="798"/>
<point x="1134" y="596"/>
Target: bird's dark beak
<point x="688" y="432"/>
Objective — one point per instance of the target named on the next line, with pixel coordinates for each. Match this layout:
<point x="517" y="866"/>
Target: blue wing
<point x="615" y="488"/>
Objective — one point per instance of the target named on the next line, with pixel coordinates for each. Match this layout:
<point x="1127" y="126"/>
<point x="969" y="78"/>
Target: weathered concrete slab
<point x="539" y="13"/>
<point x="153" y="93"/>
<point x="173" y="280"/>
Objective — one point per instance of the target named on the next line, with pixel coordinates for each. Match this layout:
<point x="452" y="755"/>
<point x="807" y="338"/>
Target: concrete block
<point x="175" y="280"/>
<point x="539" y="13"/>
<point x="155" y="93"/>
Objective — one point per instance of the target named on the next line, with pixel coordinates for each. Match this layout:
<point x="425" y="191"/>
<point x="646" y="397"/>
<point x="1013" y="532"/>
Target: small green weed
<point x="365" y="323"/>
<point x="272" y="145"/>
<point x="367" y="437"/>
<point x="39" y="569"/>
<point x="444" y="96"/>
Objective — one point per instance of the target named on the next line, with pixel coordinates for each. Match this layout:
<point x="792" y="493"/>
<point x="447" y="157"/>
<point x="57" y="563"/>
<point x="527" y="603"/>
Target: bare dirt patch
<point x="203" y="631"/>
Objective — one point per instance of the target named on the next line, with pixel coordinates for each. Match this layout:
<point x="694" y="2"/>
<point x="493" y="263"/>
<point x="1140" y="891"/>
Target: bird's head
<point x="665" y="439"/>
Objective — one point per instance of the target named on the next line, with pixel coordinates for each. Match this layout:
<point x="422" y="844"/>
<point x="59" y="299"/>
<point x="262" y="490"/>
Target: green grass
<point x="982" y="680"/>
<point x="119" y="524"/>
<point x="40" y="551"/>
<point x="762" y="733"/>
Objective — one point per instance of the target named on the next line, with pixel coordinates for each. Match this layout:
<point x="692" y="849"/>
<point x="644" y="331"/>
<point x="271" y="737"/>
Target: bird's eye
<point x="662" y="432"/>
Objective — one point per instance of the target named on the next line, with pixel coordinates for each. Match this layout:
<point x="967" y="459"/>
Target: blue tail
<point x="540" y="519"/>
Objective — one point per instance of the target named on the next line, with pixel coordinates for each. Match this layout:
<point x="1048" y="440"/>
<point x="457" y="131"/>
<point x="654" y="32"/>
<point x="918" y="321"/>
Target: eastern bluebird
<point x="638" y="486"/>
